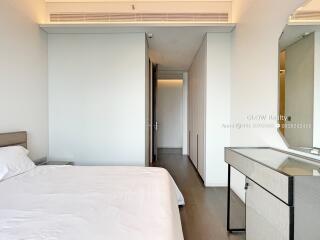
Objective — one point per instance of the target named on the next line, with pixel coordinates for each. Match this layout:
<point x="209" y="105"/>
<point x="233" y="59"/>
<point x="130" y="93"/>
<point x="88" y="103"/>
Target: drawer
<point x="273" y="181"/>
<point x="266" y="216"/>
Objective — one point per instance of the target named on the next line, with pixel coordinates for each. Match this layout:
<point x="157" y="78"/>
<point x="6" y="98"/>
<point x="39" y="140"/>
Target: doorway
<point x="169" y="111"/>
<point x="171" y="51"/>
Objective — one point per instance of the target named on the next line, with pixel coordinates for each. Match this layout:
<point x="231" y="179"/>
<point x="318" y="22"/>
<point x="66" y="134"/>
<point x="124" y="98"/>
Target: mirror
<point x="299" y="81"/>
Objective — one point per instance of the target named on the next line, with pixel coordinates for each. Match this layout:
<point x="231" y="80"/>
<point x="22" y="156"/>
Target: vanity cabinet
<point x="282" y="193"/>
<point x="266" y="216"/>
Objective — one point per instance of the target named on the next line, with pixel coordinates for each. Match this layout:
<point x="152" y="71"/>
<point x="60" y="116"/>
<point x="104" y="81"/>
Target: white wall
<point x="185" y="150"/>
<point x="217" y="107"/>
<point x="254" y="76"/>
<point x="23" y="72"/>
<point x="170" y="113"/>
<point x="97" y="108"/>
<point x="299" y="87"/>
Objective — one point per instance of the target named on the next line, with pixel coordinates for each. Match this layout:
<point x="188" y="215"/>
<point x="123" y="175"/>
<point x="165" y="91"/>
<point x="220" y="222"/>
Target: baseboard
<point x="211" y="184"/>
<point x="170" y="150"/>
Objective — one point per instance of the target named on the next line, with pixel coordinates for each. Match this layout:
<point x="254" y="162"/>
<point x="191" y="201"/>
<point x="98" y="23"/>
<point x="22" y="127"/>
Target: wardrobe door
<point x="201" y="125"/>
<point x="189" y="118"/>
<point x="197" y="120"/>
<point x="194" y="123"/>
<point x="191" y="121"/>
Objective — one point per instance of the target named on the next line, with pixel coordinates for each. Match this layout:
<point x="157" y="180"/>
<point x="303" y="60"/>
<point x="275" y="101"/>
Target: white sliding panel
<point x="97" y="108"/>
<point x="197" y="79"/>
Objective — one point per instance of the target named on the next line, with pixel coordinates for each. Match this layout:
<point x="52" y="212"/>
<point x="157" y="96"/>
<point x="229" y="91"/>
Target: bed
<point x="77" y="202"/>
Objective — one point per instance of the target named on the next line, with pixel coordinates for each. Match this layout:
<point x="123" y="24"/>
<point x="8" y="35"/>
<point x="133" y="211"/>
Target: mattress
<point x="77" y="202"/>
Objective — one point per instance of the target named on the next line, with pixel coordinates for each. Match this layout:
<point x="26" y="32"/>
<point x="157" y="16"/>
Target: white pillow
<point x="14" y="160"/>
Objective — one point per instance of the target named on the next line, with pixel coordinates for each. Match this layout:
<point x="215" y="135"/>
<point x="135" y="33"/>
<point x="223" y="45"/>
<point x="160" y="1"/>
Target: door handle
<point x="156" y="125"/>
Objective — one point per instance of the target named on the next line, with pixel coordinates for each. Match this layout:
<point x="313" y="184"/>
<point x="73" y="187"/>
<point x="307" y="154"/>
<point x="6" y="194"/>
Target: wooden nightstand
<point x="44" y="161"/>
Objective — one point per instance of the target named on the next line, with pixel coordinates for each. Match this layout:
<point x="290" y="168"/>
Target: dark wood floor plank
<point x="204" y="215"/>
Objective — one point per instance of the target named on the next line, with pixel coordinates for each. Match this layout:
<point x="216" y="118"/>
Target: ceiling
<point x="295" y="32"/>
<point x="176" y="47"/>
<point x="306" y="24"/>
<point x="172" y="47"/>
<point x="313" y="5"/>
<point x="136" y="1"/>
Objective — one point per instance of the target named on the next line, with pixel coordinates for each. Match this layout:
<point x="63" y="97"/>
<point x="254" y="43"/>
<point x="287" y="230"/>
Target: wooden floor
<point x="204" y="215"/>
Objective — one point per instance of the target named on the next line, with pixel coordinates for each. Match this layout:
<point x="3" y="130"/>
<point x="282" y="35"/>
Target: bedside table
<point x="44" y="161"/>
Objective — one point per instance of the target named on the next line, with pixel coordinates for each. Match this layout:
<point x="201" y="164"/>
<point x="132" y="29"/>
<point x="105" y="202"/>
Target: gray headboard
<point x="14" y="138"/>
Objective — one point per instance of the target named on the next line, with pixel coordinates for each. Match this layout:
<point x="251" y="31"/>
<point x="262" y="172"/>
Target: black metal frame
<point x="228" y="205"/>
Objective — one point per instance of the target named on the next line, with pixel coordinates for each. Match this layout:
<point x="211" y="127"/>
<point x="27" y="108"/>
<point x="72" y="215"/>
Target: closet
<point x="196" y="110"/>
<point x="209" y="108"/>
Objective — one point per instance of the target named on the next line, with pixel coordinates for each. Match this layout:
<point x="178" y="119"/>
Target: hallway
<point x="204" y="216"/>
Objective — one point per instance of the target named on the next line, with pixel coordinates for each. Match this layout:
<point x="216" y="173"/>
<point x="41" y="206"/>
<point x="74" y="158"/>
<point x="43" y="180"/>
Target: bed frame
<point x="13" y="138"/>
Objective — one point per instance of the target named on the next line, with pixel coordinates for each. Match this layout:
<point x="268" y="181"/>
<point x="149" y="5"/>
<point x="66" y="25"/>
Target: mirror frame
<point x="278" y="92"/>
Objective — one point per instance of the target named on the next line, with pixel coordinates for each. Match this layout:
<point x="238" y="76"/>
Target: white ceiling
<point x="313" y="5"/>
<point x="132" y="1"/>
<point x="172" y="47"/>
<point x="176" y="47"/>
<point x="295" y="32"/>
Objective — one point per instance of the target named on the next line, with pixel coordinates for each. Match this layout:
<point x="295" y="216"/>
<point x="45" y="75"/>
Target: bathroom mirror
<point x="299" y="84"/>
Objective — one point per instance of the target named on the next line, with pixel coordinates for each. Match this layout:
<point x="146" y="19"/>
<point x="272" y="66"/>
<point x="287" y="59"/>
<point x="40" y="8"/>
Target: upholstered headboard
<point x="14" y="138"/>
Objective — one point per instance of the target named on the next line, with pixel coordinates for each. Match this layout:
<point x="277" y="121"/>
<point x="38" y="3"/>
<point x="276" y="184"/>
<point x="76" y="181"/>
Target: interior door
<point x="155" y="123"/>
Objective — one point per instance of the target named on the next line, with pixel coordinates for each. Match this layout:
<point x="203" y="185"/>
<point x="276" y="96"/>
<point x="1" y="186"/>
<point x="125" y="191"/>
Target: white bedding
<point x="92" y="203"/>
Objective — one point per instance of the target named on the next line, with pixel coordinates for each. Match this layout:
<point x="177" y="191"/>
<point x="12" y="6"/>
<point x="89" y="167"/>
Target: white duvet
<point x="93" y="203"/>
